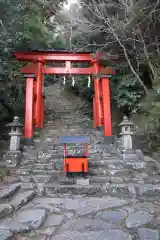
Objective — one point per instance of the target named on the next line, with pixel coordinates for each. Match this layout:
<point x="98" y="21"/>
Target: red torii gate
<point x="34" y="109"/>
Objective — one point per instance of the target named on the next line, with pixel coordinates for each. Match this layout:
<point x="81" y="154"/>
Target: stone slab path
<point x="28" y="216"/>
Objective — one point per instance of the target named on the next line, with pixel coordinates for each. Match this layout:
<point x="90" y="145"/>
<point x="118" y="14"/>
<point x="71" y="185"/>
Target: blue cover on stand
<point x="73" y="139"/>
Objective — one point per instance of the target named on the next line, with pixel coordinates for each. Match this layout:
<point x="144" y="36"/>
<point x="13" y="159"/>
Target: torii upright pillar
<point x="39" y="97"/>
<point x="97" y="98"/>
<point x="94" y="113"/>
<point x="29" y="108"/>
<point x="107" y="121"/>
<point x="102" y="106"/>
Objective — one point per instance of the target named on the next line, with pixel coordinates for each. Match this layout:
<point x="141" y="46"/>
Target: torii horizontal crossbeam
<point x="31" y="68"/>
<point x="51" y="56"/>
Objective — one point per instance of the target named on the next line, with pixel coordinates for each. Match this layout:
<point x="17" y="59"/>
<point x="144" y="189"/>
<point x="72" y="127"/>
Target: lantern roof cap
<point x="15" y="123"/>
<point x="125" y="122"/>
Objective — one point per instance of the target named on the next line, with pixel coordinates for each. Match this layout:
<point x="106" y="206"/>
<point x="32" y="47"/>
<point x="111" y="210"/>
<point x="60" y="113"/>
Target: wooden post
<point x="94" y="113"/>
<point x="42" y="108"/>
<point x="86" y="150"/>
<point x="34" y="102"/>
<point x="42" y="113"/>
<point x="106" y="109"/>
<point x="28" y="128"/>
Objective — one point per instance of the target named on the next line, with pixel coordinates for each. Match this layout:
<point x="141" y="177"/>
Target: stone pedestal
<point x="14" y="143"/>
<point x="130" y="154"/>
<point x="127" y="140"/>
<point x="12" y="158"/>
<point x="126" y="133"/>
<point x="140" y="154"/>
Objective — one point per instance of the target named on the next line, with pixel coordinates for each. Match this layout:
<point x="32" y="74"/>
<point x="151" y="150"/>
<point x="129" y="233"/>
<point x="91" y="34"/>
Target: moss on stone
<point x="3" y="172"/>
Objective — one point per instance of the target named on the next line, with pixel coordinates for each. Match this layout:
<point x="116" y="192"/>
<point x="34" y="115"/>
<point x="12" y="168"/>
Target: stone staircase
<point x="109" y="173"/>
<point x="120" y="202"/>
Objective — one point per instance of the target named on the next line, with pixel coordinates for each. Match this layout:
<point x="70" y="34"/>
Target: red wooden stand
<point x="75" y="163"/>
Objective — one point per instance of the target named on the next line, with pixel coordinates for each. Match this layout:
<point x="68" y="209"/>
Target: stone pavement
<point x="27" y="216"/>
<point x="121" y="201"/>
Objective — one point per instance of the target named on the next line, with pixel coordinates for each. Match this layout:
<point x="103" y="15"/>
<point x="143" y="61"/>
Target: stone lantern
<point x="13" y="156"/>
<point x="126" y="133"/>
<point x="15" y="134"/>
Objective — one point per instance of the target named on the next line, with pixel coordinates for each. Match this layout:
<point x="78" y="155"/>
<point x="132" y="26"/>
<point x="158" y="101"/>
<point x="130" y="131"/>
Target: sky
<point x="69" y="3"/>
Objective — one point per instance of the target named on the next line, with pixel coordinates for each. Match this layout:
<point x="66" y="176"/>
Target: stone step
<point x="152" y="180"/>
<point x="15" y="203"/>
<point x="28" y="186"/>
<point x="52" y="148"/>
<point x="40" y="178"/>
<point x="52" y="153"/>
<point x="48" y="160"/>
<point x="25" y="178"/>
<point x="52" y="165"/>
<point x="67" y="182"/>
<point x="39" y="166"/>
<point x="93" y="162"/>
<point x="23" y="171"/>
<point x="41" y="171"/>
<point x="51" y="189"/>
<point x="26" y="166"/>
<point x="21" y="199"/>
<point x="25" y="162"/>
<point x="55" y="162"/>
<point x="109" y="179"/>
<point x="9" y="190"/>
<point x="119" y="189"/>
<point x="104" y="180"/>
<point x="144" y="173"/>
<point x="44" y="155"/>
<point x="32" y="171"/>
<point x="109" y="172"/>
<point x="120" y="164"/>
<point x="29" y="157"/>
<point x="132" y="189"/>
<point x="29" y="149"/>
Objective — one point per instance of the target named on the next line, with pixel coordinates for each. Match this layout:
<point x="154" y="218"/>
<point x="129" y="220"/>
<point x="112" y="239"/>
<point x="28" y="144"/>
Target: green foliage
<point x="23" y="25"/>
<point x="152" y="128"/>
<point x="84" y="90"/>
<point x="3" y="172"/>
<point x="151" y="109"/>
<point x="81" y="87"/>
<point x="129" y="93"/>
